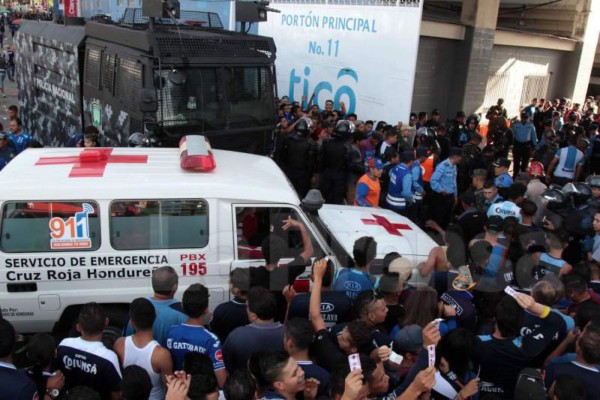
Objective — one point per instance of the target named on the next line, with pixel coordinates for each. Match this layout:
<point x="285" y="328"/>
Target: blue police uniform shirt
<point x="21" y="140"/>
<point x="444" y="178"/>
<point x="352" y="282"/>
<point x="15" y="384"/>
<point x="505" y="209"/>
<point x="524" y="133"/>
<point x="417" y="182"/>
<point x="503" y="180"/>
<point x="184" y="338"/>
<point x="400" y="183"/>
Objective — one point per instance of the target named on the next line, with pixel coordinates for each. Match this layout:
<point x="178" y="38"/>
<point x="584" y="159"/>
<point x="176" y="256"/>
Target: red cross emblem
<point x="91" y="163"/>
<point x="387" y="225"/>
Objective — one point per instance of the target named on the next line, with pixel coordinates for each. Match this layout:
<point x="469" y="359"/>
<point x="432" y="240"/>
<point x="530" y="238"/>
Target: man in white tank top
<point x="142" y="350"/>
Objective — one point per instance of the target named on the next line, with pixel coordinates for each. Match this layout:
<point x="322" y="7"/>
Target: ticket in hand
<point x="511" y="292"/>
<point x="354" y="361"/>
<point x="396" y="358"/>
<point x="437" y="321"/>
<point x="431" y="354"/>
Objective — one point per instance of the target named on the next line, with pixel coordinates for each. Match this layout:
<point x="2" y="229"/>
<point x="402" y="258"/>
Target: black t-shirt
<point x="501" y="361"/>
<point x="335" y="307"/>
<point x="472" y="223"/>
<point x="15" y="384"/>
<point x="590" y="377"/>
<point x="326" y="352"/>
<point x="548" y="332"/>
<point x="227" y="317"/>
<point x="394" y="315"/>
<point x="277" y="280"/>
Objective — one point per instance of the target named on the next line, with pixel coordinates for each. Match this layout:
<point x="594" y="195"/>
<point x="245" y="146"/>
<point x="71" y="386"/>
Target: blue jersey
<point x="569" y="158"/>
<point x="184" y="338"/>
<point x="6" y="155"/>
<point x="503" y="180"/>
<point x="352" y="282"/>
<point x="548" y="265"/>
<point x="21" y="140"/>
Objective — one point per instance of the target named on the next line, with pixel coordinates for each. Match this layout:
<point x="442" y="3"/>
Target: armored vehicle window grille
<point x="195" y="47"/>
<point x="135" y="18"/>
<point x="92" y="67"/>
<point x="108" y="72"/>
<point x="129" y="81"/>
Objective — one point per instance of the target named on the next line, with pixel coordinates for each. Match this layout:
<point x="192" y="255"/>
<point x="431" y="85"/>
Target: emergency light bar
<point x="196" y="153"/>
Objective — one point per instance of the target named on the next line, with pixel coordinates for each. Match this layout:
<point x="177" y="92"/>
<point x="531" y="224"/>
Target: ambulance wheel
<point x="118" y="316"/>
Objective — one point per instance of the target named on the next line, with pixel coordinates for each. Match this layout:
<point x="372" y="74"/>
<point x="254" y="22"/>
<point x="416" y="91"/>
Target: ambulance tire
<point x="118" y="316"/>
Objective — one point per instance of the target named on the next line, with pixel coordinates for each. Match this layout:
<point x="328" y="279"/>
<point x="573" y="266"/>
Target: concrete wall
<point x="435" y="74"/>
<point x="517" y="62"/>
<point x="440" y="73"/>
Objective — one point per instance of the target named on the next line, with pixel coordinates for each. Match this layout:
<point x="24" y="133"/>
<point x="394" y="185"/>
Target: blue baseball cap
<point x="376" y="163"/>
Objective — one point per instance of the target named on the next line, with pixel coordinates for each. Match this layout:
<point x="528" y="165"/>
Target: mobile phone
<point x="354" y="362"/>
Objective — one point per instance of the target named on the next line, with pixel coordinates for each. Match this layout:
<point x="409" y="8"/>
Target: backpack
<point x="2" y="63"/>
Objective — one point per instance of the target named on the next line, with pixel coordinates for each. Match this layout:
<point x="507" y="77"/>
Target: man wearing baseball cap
<point x="368" y="188"/>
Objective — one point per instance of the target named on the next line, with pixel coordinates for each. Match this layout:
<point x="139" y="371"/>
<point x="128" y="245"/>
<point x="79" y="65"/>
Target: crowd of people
<point x="511" y="309"/>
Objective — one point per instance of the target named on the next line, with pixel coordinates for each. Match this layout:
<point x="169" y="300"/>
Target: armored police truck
<point x="163" y="78"/>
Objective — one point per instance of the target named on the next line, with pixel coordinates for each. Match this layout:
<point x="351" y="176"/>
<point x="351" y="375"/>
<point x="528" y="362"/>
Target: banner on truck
<point x="363" y="55"/>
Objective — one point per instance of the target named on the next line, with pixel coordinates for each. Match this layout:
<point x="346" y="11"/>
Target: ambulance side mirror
<point x="148" y="102"/>
<point x="313" y="201"/>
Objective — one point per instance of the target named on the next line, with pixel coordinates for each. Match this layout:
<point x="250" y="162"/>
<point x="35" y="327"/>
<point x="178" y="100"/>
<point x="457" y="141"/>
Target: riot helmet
<point x="302" y="127"/>
<point x="554" y="199"/>
<point x="138" y="139"/>
<point x="593" y="181"/>
<point x="344" y="129"/>
<point x="580" y="192"/>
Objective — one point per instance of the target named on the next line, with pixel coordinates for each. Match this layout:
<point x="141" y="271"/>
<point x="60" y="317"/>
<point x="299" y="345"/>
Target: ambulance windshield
<point x="210" y="99"/>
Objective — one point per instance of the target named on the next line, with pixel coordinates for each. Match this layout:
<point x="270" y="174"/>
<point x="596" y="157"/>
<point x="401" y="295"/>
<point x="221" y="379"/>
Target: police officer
<point x="422" y="154"/>
<point x="456" y="126"/>
<point x="478" y="178"/>
<point x="335" y="161"/>
<point x="469" y="130"/>
<point x="400" y="191"/>
<point x="501" y="137"/>
<point x="298" y="158"/>
<point x="444" y="194"/>
<point x="470" y="160"/>
<point x="593" y="152"/>
<point x="503" y="179"/>
<point x="525" y="140"/>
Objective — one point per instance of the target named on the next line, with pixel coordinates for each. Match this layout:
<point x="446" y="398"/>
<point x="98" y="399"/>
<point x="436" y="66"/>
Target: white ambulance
<point x="80" y="225"/>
